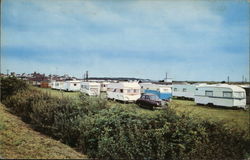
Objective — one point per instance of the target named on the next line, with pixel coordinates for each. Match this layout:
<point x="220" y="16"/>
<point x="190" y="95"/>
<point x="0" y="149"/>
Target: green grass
<point x="19" y="140"/>
<point x="235" y="118"/>
<point x="59" y="93"/>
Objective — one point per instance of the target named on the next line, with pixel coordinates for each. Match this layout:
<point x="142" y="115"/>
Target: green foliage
<point x="115" y="132"/>
<point x="2" y="126"/>
<point x="10" y="85"/>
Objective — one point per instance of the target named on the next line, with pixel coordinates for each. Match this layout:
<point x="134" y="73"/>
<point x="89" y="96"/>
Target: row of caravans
<point x="216" y="94"/>
<point x="90" y="88"/>
<point x="122" y="91"/>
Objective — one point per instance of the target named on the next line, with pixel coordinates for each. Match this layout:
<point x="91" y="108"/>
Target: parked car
<point x="151" y="101"/>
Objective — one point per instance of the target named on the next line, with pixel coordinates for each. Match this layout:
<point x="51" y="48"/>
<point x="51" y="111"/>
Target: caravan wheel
<point x="210" y="104"/>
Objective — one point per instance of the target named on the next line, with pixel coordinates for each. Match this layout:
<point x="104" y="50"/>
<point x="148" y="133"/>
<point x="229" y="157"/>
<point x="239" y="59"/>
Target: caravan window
<point x="85" y="87"/>
<point x="175" y="89"/>
<point x="209" y="93"/>
<point x="121" y="90"/>
<point x="184" y="89"/>
<point x="147" y="97"/>
<point x="227" y="94"/>
<point x="136" y="90"/>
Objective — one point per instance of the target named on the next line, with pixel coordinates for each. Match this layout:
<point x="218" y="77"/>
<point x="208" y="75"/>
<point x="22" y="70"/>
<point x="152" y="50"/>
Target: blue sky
<point x="191" y="40"/>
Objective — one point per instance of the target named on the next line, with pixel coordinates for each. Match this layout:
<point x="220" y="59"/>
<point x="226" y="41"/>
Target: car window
<point x="154" y="98"/>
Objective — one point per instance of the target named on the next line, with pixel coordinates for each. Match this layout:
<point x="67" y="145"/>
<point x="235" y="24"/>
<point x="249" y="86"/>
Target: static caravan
<point x="186" y="91"/>
<point x="58" y="85"/>
<point x="104" y="86"/>
<point x="53" y="84"/>
<point x="221" y="95"/>
<point x="124" y="91"/>
<point x="91" y="88"/>
<point x="164" y="92"/>
<point x="72" y="85"/>
<point x="145" y="86"/>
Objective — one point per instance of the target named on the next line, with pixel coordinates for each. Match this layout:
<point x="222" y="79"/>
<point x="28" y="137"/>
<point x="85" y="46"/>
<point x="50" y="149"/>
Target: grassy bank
<point x="18" y="140"/>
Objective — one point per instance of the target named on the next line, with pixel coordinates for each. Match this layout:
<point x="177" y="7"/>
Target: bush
<point x="118" y="132"/>
<point x="57" y="117"/>
<point x="10" y="86"/>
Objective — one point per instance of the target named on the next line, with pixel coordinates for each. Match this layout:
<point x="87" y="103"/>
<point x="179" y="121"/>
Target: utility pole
<point x="7" y="72"/>
<point x="87" y="75"/>
<point x="228" y="79"/>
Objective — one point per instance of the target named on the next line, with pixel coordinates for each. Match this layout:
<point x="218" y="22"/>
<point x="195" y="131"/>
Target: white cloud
<point x="189" y="30"/>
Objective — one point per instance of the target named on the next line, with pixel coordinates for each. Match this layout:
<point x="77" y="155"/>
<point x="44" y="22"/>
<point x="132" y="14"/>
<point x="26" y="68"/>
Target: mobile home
<point x="58" y="85"/>
<point x="221" y="95"/>
<point x="164" y="92"/>
<point x="186" y="91"/>
<point x="53" y="84"/>
<point x="145" y="86"/>
<point x="124" y="91"/>
<point x="72" y="85"/>
<point x="104" y="86"/>
<point x="90" y="88"/>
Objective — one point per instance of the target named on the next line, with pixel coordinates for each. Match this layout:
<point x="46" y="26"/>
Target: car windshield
<point x="154" y="97"/>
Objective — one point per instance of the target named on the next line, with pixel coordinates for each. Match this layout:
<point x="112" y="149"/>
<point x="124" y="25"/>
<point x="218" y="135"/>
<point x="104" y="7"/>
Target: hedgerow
<point x="117" y="132"/>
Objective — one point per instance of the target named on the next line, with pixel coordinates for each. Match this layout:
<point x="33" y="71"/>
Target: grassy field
<point x="236" y="118"/>
<point x="18" y="140"/>
<point x="233" y="117"/>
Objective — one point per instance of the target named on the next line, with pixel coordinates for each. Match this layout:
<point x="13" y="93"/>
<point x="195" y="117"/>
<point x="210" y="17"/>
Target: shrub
<point x="10" y="85"/>
<point x="119" y="132"/>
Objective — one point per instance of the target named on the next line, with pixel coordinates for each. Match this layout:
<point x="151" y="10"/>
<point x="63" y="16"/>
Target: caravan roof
<point x="91" y="83"/>
<point x="125" y="85"/>
<point x="73" y="81"/>
<point x="232" y="87"/>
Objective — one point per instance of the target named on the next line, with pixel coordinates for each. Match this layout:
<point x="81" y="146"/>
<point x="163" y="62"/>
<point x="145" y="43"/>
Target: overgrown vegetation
<point x="19" y="141"/>
<point x="112" y="132"/>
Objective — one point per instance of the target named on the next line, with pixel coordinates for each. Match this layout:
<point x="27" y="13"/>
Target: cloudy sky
<point x="189" y="39"/>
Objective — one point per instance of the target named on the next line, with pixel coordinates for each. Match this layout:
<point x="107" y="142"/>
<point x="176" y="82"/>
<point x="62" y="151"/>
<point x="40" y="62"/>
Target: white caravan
<point x="124" y="91"/>
<point x="53" y="84"/>
<point x="104" y="86"/>
<point x="185" y="90"/>
<point x="91" y="88"/>
<point x="221" y="95"/>
<point x="58" y="85"/>
<point x="145" y="86"/>
<point x="72" y="85"/>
